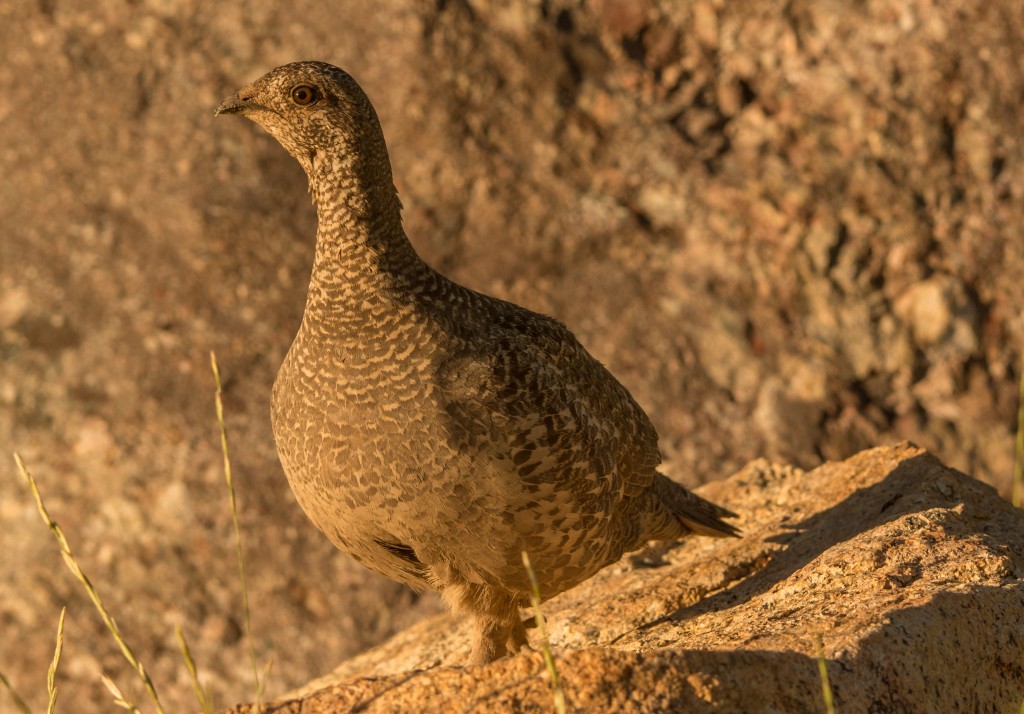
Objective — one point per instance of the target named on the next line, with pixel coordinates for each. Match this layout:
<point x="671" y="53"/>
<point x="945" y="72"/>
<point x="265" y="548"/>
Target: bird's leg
<point x="494" y="637"/>
<point x="489" y="638"/>
<point x="497" y="628"/>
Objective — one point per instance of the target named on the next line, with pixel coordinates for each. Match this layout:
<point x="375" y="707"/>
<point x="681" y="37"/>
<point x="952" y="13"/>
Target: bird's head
<point x="317" y="112"/>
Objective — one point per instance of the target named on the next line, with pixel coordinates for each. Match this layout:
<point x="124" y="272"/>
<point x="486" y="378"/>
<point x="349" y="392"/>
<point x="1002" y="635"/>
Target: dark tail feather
<point x="695" y="513"/>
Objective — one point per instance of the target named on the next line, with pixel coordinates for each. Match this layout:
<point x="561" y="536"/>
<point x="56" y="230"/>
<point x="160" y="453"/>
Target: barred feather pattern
<point x="435" y="433"/>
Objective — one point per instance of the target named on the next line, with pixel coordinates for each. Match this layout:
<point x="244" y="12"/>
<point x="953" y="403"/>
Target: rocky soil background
<point x="793" y="231"/>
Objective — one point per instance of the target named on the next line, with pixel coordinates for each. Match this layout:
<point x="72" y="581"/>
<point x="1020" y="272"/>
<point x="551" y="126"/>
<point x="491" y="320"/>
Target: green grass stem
<point x="826" y="688"/>
<point x="204" y="699"/>
<point x="538" y="616"/>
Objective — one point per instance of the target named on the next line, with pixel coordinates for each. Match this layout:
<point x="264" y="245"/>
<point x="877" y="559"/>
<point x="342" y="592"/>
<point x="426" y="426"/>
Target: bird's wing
<point x="563" y="440"/>
<point x="543" y="402"/>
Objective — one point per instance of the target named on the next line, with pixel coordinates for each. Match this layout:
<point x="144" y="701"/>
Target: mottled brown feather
<point x="435" y="433"/>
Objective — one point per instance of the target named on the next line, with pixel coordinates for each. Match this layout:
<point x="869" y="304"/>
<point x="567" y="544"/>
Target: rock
<point x="925" y="307"/>
<point x="910" y="573"/>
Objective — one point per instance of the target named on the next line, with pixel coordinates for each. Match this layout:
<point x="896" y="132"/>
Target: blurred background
<point x="792" y="230"/>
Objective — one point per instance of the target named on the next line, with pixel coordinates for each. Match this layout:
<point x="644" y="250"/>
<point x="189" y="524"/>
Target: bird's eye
<point x="305" y="94"/>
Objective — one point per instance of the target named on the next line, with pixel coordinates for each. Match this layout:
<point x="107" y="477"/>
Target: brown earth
<point x="911" y="573"/>
<point x="793" y="232"/>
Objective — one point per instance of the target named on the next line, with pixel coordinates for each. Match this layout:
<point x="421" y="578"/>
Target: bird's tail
<point x="693" y="512"/>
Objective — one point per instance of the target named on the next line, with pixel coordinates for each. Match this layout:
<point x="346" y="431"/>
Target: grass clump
<point x="76" y="570"/>
<point x="205" y="701"/>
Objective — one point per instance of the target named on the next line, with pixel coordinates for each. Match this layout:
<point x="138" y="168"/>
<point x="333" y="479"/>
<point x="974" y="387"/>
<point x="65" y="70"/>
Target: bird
<point x="435" y="433"/>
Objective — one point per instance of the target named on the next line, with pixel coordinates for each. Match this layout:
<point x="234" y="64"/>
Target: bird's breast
<point x="347" y="414"/>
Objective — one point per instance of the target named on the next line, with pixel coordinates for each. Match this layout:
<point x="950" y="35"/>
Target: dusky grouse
<point x="435" y="433"/>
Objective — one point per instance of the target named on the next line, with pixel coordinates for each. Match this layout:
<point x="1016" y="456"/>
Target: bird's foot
<point x="652" y="555"/>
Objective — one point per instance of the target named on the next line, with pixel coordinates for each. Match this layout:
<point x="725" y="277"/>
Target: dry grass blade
<point x="69" y="560"/>
<point x="1018" y="465"/>
<point x="538" y="616"/>
<point x="18" y="701"/>
<point x="218" y="399"/>
<point x="119" y="698"/>
<point x="267" y="666"/>
<point x="51" y="673"/>
<point x="190" y="664"/>
<point x="826" y="688"/>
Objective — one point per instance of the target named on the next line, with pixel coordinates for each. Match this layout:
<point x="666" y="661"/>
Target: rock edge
<point x="911" y="573"/>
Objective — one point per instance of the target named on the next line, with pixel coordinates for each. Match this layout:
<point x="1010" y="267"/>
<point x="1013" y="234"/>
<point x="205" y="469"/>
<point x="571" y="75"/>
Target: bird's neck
<point x="365" y="266"/>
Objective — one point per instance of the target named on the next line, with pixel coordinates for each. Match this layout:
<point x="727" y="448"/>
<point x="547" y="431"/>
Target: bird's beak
<point x="237" y="104"/>
<point x="233" y="105"/>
